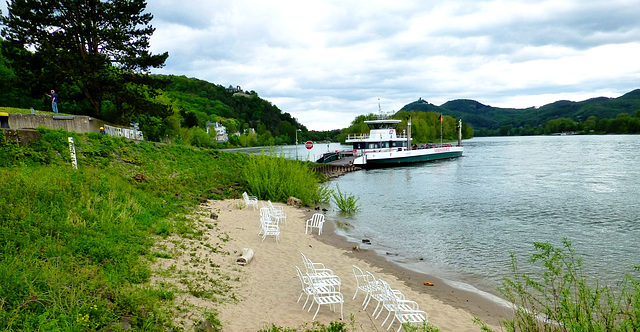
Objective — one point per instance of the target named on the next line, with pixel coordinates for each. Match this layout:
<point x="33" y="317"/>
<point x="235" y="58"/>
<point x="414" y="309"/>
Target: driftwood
<point x="247" y="256"/>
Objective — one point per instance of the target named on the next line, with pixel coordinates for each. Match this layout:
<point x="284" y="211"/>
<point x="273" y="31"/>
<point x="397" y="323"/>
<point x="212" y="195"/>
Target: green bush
<point x="564" y="299"/>
<point x="270" y="177"/>
<point x="346" y="203"/>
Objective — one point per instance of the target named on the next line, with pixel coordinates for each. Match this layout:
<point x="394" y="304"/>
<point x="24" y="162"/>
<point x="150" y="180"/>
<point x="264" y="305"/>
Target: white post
<point x="72" y="151"/>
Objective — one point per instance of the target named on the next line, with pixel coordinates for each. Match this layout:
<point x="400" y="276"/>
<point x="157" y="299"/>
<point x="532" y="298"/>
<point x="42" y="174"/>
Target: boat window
<point x="384" y="144"/>
<point x="374" y="145"/>
<point x="398" y="144"/>
<point x="358" y="145"/>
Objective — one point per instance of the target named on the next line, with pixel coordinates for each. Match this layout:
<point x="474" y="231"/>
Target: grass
<point x="346" y="203"/>
<point x="77" y="244"/>
<point x="275" y="178"/>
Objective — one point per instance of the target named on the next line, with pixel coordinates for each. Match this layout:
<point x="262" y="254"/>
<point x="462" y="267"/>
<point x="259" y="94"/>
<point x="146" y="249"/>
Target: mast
<point x="409" y="134"/>
<point x="460" y="132"/>
<point x="440" y="129"/>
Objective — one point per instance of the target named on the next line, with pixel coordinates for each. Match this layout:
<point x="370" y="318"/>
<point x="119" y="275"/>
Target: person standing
<point x="54" y="101"/>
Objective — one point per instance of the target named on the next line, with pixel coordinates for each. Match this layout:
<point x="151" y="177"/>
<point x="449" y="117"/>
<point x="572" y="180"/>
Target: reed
<point x="346" y="203"/>
<point x="272" y="177"/>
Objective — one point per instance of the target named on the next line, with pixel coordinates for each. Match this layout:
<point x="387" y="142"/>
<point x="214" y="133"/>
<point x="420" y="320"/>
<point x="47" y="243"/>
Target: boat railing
<point x="358" y="136"/>
<point x="368" y="135"/>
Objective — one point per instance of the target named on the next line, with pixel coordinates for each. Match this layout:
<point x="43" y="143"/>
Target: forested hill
<point x="200" y="101"/>
<point x="481" y="116"/>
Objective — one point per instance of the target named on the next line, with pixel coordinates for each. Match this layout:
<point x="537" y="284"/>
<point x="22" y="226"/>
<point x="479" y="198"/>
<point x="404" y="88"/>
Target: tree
<point x="96" y="47"/>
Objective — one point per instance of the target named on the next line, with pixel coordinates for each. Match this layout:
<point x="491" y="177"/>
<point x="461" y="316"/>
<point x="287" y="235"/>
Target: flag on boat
<point x="440" y="118"/>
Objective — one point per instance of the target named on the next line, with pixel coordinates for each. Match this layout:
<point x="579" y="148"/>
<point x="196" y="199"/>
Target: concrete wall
<point x="75" y="123"/>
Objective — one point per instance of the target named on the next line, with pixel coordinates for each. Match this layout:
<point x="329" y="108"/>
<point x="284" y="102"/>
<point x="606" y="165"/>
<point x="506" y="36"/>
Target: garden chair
<point x="319" y="274"/>
<point x="268" y="225"/>
<point x="250" y="200"/>
<point x="265" y="218"/>
<point x="406" y="311"/>
<point x="378" y="294"/>
<point x="388" y="303"/>
<point x="277" y="212"/>
<point x="326" y="295"/>
<point x="307" y="284"/>
<point x="316" y="221"/>
<point x="364" y="282"/>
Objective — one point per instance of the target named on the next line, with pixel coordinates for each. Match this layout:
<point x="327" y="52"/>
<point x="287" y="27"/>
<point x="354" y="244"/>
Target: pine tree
<point x="98" y="48"/>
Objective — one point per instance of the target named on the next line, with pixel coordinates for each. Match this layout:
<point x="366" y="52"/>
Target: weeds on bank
<point x="272" y="177"/>
<point x="564" y="299"/>
<point x="346" y="203"/>
<point x="76" y="243"/>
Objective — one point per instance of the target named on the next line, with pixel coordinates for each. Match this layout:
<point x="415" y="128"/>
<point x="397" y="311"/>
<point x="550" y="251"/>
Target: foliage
<point x="564" y="299"/>
<point x="315" y="327"/>
<point x="101" y="57"/>
<point x="346" y="203"/>
<point x="272" y="177"/>
<point x="490" y="121"/>
<point x="74" y="241"/>
<point x="425" y="127"/>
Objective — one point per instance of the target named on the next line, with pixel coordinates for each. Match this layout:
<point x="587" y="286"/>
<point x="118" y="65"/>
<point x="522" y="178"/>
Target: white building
<point x="221" y="131"/>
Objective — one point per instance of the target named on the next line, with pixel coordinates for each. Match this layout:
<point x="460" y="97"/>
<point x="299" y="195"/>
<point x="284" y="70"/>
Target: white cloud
<point x="326" y="62"/>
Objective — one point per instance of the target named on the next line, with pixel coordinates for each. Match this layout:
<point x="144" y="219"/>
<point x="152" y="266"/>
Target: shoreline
<point x="481" y="306"/>
<point x="264" y="292"/>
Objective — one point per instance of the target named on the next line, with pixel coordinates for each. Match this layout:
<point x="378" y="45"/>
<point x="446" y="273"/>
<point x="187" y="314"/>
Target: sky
<point x="326" y="62"/>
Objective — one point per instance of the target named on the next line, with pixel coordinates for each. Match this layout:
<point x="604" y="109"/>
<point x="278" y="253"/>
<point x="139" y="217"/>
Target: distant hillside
<point x="201" y="101"/>
<point x="481" y="116"/>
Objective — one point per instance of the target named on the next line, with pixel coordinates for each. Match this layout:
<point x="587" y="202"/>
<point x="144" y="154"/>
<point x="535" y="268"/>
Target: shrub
<point x="564" y="299"/>
<point x="345" y="202"/>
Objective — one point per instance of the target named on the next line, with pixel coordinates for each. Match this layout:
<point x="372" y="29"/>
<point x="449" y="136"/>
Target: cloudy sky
<point x="326" y="62"/>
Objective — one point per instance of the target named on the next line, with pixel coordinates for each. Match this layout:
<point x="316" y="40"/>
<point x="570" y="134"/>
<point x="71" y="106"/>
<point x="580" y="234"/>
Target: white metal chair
<point x="316" y="221"/>
<point x="364" y="282"/>
<point x="319" y="274"/>
<point x="277" y="212"/>
<point x="388" y="303"/>
<point x="250" y="200"/>
<point x="406" y="311"/>
<point x="268" y="225"/>
<point x="326" y="295"/>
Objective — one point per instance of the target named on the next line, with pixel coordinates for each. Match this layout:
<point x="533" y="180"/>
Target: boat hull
<point x="396" y="158"/>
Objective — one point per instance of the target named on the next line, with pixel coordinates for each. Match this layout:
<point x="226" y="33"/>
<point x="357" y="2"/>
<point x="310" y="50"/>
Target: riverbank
<point x="267" y="288"/>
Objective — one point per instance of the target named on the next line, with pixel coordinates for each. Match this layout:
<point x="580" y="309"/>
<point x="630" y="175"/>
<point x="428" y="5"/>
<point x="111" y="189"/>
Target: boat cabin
<point x="382" y="137"/>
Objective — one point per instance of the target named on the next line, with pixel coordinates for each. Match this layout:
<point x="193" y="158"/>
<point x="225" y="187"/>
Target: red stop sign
<point x="308" y="145"/>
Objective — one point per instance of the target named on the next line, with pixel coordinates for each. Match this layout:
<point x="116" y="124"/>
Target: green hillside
<point x="481" y="116"/>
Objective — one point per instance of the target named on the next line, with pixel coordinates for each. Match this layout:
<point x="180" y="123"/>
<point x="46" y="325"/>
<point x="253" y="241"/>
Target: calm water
<point x="461" y="218"/>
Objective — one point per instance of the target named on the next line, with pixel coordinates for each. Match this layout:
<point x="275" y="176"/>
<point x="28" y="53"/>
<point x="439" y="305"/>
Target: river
<point x="460" y="219"/>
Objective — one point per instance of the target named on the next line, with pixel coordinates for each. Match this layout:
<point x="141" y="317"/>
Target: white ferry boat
<point x="382" y="146"/>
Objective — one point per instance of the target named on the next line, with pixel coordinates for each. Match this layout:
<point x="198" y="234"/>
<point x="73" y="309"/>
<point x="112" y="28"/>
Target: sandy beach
<point x="265" y="291"/>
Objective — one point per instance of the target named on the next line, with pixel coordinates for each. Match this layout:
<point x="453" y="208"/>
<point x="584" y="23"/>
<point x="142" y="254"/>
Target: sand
<point x="265" y="291"/>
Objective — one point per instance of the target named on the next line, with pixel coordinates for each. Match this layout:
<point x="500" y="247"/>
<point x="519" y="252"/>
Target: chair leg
<point x="305" y="302"/>
<point x="385" y="320"/>
<point x="314" y="316"/>
<point x="354" y="295"/>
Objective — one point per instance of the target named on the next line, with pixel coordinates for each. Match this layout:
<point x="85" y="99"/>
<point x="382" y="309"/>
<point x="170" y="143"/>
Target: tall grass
<point x="276" y="178"/>
<point x="75" y="243"/>
<point x="563" y="298"/>
<point x="346" y="203"/>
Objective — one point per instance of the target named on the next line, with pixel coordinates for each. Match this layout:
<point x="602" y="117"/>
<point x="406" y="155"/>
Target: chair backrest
<point x="360" y="276"/>
<point x="265" y="214"/>
<point x="245" y="195"/>
<point x="302" y="278"/>
<point x="317" y="219"/>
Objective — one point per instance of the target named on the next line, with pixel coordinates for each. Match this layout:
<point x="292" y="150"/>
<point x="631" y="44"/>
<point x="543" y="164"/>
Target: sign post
<point x="72" y="151"/>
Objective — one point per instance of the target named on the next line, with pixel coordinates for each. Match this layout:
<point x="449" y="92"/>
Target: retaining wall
<point x="75" y="123"/>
